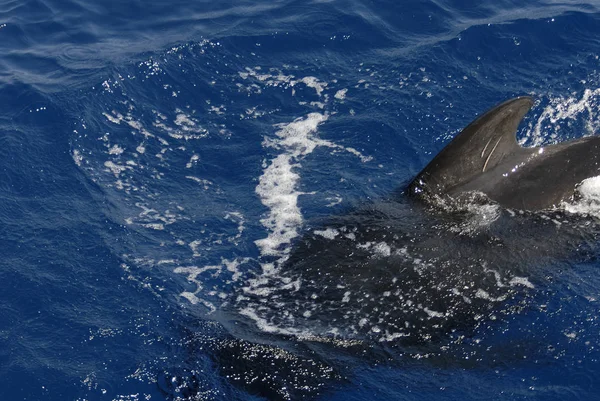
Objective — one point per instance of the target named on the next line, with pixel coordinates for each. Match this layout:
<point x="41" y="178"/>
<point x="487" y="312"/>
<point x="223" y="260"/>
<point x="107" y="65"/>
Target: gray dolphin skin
<point x="396" y="279"/>
<point x="486" y="157"/>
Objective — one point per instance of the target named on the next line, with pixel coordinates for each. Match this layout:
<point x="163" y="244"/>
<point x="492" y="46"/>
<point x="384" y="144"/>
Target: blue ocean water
<point x="161" y="159"/>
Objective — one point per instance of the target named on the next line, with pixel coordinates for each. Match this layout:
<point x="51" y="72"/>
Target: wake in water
<point x="380" y="281"/>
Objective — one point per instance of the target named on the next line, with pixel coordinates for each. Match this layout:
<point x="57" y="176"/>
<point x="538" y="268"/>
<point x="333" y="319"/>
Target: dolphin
<point x="485" y="157"/>
<point x="402" y="275"/>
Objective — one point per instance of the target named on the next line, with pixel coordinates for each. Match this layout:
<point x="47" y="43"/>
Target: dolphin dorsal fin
<point x="481" y="146"/>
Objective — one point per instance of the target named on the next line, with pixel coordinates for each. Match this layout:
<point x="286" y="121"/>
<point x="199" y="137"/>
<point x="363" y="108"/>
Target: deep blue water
<point x="159" y="158"/>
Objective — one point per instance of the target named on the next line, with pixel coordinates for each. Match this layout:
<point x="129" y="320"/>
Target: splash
<point x="587" y="199"/>
<point x="580" y="112"/>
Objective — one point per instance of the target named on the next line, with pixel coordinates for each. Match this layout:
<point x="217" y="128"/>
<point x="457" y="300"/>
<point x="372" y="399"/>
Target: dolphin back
<point x="485" y="157"/>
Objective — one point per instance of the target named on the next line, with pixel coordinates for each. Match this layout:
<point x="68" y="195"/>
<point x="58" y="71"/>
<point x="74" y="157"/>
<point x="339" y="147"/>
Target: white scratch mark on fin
<point x="486" y="145"/>
<point x="490" y="155"/>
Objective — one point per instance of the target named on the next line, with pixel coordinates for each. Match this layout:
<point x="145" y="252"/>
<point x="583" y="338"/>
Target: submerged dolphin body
<point x="486" y="157"/>
<point x="396" y="277"/>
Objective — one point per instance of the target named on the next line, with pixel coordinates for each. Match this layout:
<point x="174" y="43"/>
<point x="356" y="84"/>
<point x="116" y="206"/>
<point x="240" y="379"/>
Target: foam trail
<point x="277" y="185"/>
